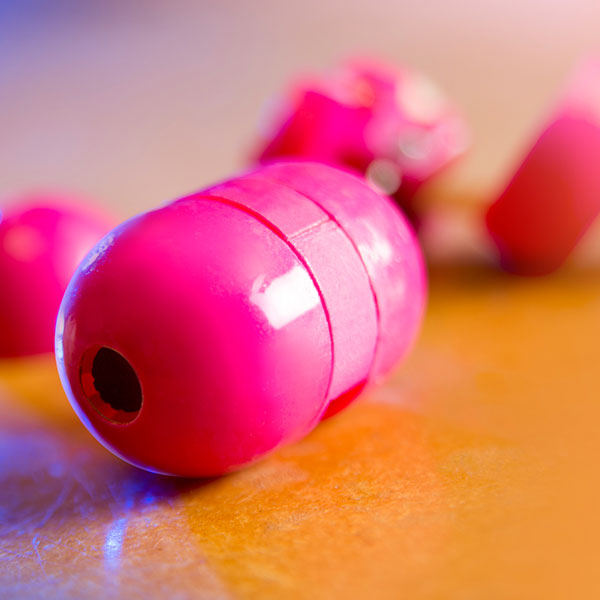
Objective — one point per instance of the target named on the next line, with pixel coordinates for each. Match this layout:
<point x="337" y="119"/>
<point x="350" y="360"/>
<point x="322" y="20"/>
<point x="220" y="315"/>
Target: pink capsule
<point x="392" y="125"/>
<point x="554" y="196"/>
<point x="42" y="240"/>
<point x="200" y="336"/>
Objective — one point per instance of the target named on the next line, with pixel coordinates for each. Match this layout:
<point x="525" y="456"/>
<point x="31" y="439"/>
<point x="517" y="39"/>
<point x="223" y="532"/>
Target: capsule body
<point x="554" y="196"/>
<point x="200" y="336"/>
<point x="43" y="238"/>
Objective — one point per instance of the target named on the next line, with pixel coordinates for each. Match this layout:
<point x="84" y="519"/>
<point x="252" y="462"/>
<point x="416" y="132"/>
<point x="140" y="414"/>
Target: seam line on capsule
<point x="270" y="225"/>
<point x="276" y="181"/>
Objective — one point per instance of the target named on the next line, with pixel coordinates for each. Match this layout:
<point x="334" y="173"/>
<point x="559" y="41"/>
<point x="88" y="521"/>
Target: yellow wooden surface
<point x="471" y="474"/>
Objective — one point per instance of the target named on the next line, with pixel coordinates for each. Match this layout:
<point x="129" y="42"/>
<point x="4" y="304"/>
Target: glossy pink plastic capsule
<point x="43" y="238"/>
<point x="392" y="125"/>
<point x="198" y="337"/>
<point x="554" y="196"/>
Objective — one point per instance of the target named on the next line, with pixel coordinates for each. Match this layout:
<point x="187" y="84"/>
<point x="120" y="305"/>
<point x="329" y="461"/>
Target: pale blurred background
<point x="136" y="102"/>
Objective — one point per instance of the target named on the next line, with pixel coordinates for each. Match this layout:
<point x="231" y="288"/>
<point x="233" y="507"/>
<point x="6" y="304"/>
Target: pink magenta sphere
<point x="554" y="196"/>
<point x="391" y="124"/>
<point x="197" y="337"/>
<point x="42" y="241"/>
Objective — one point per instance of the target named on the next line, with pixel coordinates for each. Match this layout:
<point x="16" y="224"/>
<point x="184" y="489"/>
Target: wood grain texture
<point x="470" y="474"/>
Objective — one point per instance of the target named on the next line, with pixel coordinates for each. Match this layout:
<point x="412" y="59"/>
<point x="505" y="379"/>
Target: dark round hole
<point x="116" y="381"/>
<point x="111" y="385"/>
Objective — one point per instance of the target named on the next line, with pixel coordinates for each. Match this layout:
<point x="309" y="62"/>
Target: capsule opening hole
<point x="111" y="385"/>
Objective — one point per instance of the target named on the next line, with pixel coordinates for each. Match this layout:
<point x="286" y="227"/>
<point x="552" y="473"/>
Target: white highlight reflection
<point x="114" y="542"/>
<point x="376" y="250"/>
<point x="384" y="176"/>
<point x="286" y="297"/>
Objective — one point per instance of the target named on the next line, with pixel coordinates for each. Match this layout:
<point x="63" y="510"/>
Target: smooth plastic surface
<point x="43" y="238"/>
<point x="385" y="242"/>
<point x="247" y="311"/>
<point x="554" y="196"/>
<point x="391" y="124"/>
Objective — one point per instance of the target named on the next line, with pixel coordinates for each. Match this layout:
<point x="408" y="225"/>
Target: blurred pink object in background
<point x="554" y="196"/>
<point x="393" y="125"/>
<point x="43" y="237"/>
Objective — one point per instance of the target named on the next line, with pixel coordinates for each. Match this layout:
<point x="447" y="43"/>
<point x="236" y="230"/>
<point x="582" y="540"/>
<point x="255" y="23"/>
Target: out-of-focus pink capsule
<point x="554" y="196"/>
<point x="43" y="238"/>
<point x="197" y="337"/>
<point x="392" y="125"/>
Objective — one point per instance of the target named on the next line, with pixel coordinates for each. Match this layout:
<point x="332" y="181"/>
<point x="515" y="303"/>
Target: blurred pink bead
<point x="554" y="196"/>
<point x="42" y="240"/>
<point x="392" y="125"/>
<point x="200" y="336"/>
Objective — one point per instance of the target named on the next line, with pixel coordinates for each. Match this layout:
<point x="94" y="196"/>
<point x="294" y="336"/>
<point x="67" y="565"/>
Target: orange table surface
<point x="471" y="474"/>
